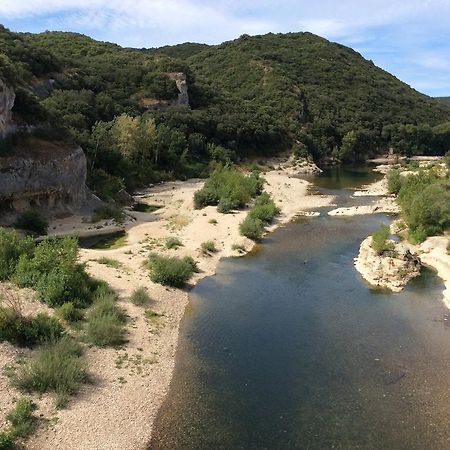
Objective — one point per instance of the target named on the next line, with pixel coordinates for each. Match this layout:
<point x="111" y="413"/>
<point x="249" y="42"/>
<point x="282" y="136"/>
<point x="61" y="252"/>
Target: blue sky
<point x="409" y="38"/>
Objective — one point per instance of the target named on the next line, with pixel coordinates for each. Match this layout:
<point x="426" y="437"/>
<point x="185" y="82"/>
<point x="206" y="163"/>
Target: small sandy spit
<point x="118" y="408"/>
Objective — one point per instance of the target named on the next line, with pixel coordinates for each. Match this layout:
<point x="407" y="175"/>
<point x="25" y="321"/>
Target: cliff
<point x="391" y="270"/>
<point x="46" y="175"/>
<point x="7" y="97"/>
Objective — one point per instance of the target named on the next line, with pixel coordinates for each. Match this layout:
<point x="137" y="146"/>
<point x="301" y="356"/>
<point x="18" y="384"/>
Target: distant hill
<point x="251" y="96"/>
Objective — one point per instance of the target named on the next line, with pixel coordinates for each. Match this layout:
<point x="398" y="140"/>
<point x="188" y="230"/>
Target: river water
<point x="289" y="348"/>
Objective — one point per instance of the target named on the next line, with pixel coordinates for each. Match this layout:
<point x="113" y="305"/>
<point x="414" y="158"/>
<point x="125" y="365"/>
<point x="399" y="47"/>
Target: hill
<point x="444" y="100"/>
<point x="252" y="96"/>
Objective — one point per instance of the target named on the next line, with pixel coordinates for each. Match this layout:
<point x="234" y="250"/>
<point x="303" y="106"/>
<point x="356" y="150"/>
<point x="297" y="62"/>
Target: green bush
<point x="380" y="242"/>
<point x="229" y="188"/>
<point x="252" y="228"/>
<point x="173" y="243"/>
<point x="140" y="296"/>
<point x="170" y="271"/>
<point x="208" y="247"/>
<point x="425" y="202"/>
<point x="53" y="271"/>
<point x="105" y="321"/>
<point x="394" y="181"/>
<point x="57" y="367"/>
<point x="6" y="440"/>
<point x="28" y="331"/>
<point x="69" y="312"/>
<point x="109" y="262"/>
<point x="32" y="220"/>
<point x="108" y="212"/>
<point x="11" y="248"/>
<point x="264" y="208"/>
<point x="21" y="417"/>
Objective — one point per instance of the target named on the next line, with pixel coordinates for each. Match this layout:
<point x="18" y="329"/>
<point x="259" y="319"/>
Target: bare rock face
<point x="390" y="270"/>
<point x="181" y="82"/>
<point x="47" y="176"/>
<point x="7" y="97"/>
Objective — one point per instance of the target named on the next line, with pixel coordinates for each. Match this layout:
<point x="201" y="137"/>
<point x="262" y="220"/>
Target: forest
<point x="253" y="96"/>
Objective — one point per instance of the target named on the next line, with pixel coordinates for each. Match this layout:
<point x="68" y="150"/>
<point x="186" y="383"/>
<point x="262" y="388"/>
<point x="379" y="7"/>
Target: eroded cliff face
<point x="181" y="82"/>
<point x="47" y="176"/>
<point x="391" y="270"/>
<point x="7" y="97"/>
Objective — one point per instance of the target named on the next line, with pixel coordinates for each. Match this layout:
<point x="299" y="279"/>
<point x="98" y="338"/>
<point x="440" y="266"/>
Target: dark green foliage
<point x="69" y="312"/>
<point x="6" y="440"/>
<point x="380" y="242"/>
<point x="394" y="181"/>
<point x="21" y="418"/>
<point x="53" y="271"/>
<point x="170" y="271"/>
<point x="264" y="209"/>
<point x="57" y="367"/>
<point x="140" y="296"/>
<point x="11" y="248"/>
<point x="425" y="202"/>
<point x="28" y="331"/>
<point x="108" y="212"/>
<point x="105" y="320"/>
<point x="32" y="220"/>
<point x="228" y="188"/>
<point x="252" y="228"/>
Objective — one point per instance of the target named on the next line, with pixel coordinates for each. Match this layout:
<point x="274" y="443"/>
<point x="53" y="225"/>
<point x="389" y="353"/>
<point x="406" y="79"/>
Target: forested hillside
<point x="444" y="100"/>
<point x="252" y="96"/>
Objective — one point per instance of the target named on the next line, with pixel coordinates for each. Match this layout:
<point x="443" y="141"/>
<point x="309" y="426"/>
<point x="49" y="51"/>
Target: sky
<point x="408" y="38"/>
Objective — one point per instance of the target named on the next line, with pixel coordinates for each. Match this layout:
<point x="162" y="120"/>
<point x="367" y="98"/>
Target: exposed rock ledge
<point x="7" y="97"/>
<point x="45" y="176"/>
<point x="391" y="270"/>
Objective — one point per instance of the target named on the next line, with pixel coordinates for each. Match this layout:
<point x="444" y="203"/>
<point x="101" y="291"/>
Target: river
<point x="289" y="348"/>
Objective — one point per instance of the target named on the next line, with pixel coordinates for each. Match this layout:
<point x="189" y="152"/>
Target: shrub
<point x="26" y="331"/>
<point x="140" y="296"/>
<point x="21" y="417"/>
<point x="108" y="212"/>
<point x="229" y="188"/>
<point x="264" y="209"/>
<point x="394" y="181"/>
<point x="173" y="243"/>
<point x="52" y="270"/>
<point x="11" y="248"/>
<point x="32" y="220"/>
<point x="105" y="326"/>
<point x="57" y="367"/>
<point x="110" y="262"/>
<point x="170" y="271"/>
<point x="6" y="440"/>
<point x="208" y="247"/>
<point x="252" y="228"/>
<point x="380" y="241"/>
<point x="212" y="221"/>
<point x="425" y="203"/>
<point x="69" y="312"/>
<point x="226" y="205"/>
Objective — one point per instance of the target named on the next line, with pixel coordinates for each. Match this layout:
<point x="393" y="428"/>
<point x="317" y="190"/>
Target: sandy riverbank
<point x="118" y="409"/>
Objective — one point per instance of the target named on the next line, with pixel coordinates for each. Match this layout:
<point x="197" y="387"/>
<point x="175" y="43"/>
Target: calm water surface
<point x="288" y="348"/>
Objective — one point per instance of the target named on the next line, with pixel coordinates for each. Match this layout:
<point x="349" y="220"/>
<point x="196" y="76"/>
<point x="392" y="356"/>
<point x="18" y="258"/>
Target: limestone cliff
<point x="46" y="175"/>
<point x="7" y="97"/>
<point x="181" y="82"/>
<point x="390" y="270"/>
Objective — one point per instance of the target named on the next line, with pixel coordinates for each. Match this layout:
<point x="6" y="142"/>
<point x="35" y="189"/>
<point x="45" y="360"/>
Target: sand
<point x="117" y="410"/>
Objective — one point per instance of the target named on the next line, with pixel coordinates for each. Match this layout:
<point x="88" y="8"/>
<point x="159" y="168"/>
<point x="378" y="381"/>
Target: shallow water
<point x="288" y="348"/>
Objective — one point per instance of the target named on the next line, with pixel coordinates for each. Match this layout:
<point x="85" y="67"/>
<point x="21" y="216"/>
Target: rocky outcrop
<point x="7" y="97"/>
<point x="46" y="176"/>
<point x="391" y="270"/>
<point x="181" y="82"/>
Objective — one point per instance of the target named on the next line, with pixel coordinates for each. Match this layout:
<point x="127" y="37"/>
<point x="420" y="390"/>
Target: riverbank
<point x="432" y="252"/>
<point x="117" y="410"/>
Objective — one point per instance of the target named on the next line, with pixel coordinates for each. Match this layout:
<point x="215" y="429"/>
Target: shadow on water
<point x="288" y="348"/>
